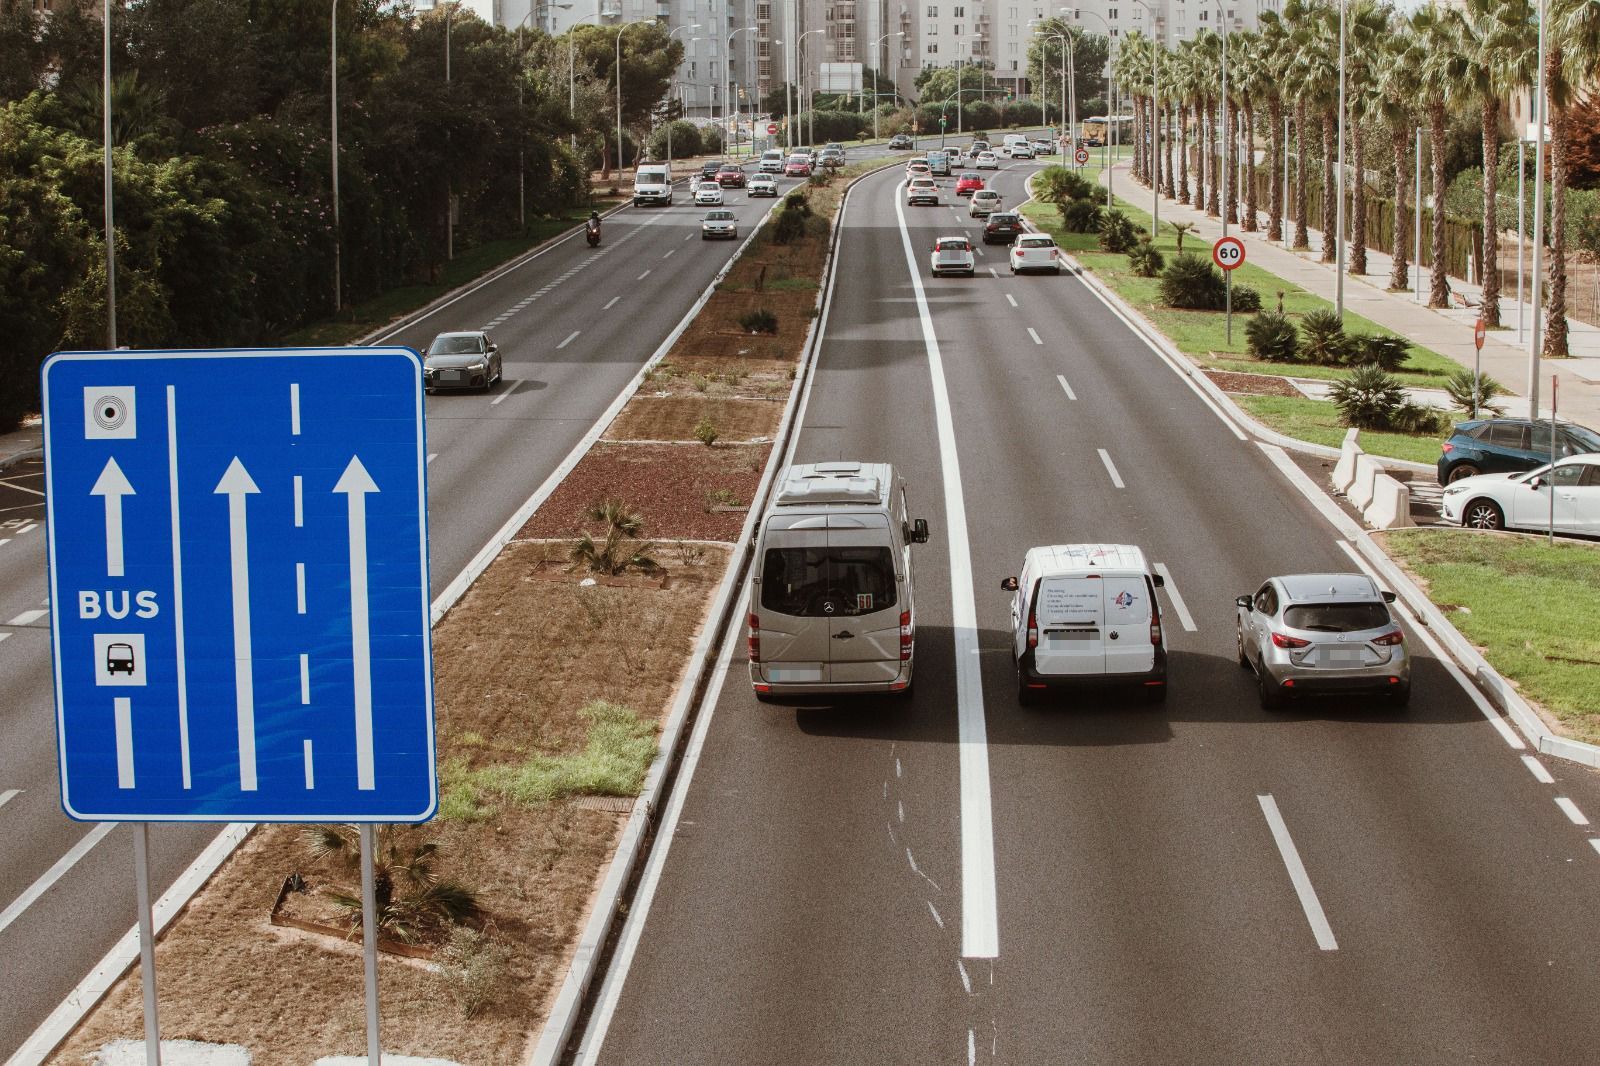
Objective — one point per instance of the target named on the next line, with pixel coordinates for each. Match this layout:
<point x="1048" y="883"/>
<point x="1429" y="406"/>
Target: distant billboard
<point x="840" y="78"/>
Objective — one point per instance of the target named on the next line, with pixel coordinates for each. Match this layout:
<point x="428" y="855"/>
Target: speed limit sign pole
<point x="1478" y="330"/>
<point x="1228" y="254"/>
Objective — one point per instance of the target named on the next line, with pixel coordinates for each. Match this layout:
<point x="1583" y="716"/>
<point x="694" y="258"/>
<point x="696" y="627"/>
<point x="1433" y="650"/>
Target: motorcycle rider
<point x="593" y="227"/>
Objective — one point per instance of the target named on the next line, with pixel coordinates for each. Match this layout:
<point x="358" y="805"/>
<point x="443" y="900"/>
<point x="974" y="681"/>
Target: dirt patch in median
<point x="682" y="417"/>
<point x="1252" y="384"/>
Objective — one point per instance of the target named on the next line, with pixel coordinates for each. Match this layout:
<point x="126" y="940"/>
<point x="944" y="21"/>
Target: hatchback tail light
<point x="1389" y="640"/>
<point x="1448" y="447"/>
<point x="753" y="640"/>
<point x="907" y="636"/>
<point x="1283" y="641"/>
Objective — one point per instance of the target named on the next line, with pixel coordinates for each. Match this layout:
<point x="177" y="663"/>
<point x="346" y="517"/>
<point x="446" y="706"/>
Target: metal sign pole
<point x="1477" y="365"/>
<point x="1416" y="222"/>
<point x="147" y="943"/>
<point x="1522" y="145"/>
<point x="1227" y="277"/>
<point x="369" y="944"/>
<point x="1550" y="478"/>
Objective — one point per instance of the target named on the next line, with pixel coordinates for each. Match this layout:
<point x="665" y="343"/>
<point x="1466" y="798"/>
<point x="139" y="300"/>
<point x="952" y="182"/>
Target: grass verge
<point x="1529" y="606"/>
<point x="1317" y="421"/>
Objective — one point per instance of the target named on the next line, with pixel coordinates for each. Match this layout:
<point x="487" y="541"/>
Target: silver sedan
<point x="1322" y="633"/>
<point x="466" y="360"/>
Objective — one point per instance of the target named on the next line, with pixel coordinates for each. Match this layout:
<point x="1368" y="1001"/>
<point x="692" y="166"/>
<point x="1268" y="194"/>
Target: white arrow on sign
<point x="355" y="483"/>
<point x="112" y="484"/>
<point x="236" y="485"/>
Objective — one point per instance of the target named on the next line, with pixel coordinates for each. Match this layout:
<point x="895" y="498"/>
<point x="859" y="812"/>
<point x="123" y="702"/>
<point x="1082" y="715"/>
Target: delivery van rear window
<point x="827" y="582"/>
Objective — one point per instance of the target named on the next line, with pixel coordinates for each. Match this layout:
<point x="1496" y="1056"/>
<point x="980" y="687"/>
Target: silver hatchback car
<point x="1322" y="633"/>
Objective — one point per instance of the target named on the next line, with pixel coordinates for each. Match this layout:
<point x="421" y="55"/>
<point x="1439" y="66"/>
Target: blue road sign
<point x="239" y="585"/>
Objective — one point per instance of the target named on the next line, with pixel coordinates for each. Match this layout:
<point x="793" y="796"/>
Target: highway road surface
<point x="958" y="879"/>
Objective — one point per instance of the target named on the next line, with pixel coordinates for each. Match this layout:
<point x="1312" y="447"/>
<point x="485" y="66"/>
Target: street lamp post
<point x="680" y="29"/>
<point x="1155" y="116"/>
<point x="799" y="46"/>
<point x="961" y="80"/>
<point x="1338" y="217"/>
<point x="877" y="45"/>
<point x="111" y="229"/>
<point x="620" y="31"/>
<point x="727" y="99"/>
<point x="572" y="71"/>
<point x="1536" y="338"/>
<point x="1111" y="120"/>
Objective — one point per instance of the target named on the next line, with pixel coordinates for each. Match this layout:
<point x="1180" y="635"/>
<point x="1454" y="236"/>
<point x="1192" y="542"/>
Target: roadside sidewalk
<point x="1448" y="332"/>
<point x="24" y="443"/>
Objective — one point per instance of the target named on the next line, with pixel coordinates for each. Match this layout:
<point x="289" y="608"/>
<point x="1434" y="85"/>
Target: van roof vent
<point x="840" y="482"/>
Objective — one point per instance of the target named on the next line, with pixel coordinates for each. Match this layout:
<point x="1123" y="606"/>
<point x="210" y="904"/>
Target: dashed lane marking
<point x="1116" y="478"/>
<point x="1536" y="768"/>
<point x="1570" y="809"/>
<point x="1065" y="387"/>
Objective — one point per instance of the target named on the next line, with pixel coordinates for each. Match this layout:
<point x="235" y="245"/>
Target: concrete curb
<point x="570" y="999"/>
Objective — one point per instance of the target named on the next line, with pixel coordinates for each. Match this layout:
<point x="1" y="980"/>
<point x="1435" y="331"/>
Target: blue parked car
<point x="1509" y="446"/>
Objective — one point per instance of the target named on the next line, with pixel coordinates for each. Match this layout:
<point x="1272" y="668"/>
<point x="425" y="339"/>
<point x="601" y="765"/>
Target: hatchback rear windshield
<point x="1587" y="439"/>
<point x="827" y="582"/>
<point x="1336" y="617"/>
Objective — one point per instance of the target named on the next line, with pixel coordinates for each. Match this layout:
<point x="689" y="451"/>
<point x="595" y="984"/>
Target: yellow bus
<point x="1099" y="130"/>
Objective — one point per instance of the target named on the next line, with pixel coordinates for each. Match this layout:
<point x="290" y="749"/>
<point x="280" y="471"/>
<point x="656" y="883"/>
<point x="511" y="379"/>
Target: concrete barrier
<point x="1344" y="471"/>
<point x="1391" y="504"/>
<point x="1360" y="491"/>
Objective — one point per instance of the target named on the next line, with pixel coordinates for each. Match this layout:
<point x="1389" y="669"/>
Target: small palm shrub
<point x="790" y="225"/>
<point x="1081" y="216"/>
<point x="1379" y="349"/>
<point x="797" y="201"/>
<point x="411" y="898"/>
<point x="1192" y="283"/>
<point x="1146" y="259"/>
<point x="1271" y="336"/>
<point x="1322" y="339"/>
<point x="1058" y="185"/>
<point x="1178" y="230"/>
<point x="1460" y="389"/>
<point x="619" y="548"/>
<point x="1117" y="233"/>
<point x="759" y="320"/>
<point x="1368" y="398"/>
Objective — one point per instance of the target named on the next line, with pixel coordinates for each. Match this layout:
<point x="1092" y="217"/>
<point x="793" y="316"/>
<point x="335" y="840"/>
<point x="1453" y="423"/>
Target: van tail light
<point x="1283" y="641"/>
<point x="1155" y="630"/>
<point x="1033" y="629"/>
<point x="1390" y="640"/>
<point x="753" y="641"/>
<point x="907" y="636"/>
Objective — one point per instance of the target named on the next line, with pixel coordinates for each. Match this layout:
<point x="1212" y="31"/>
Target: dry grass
<point x="675" y="417"/>
<point x="514" y="662"/>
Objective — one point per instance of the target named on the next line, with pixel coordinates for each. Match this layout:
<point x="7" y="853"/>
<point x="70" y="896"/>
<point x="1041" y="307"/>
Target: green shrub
<point x="1191" y="282"/>
<point x="1489" y="390"/>
<point x="1245" y="299"/>
<point x="1421" y="419"/>
<point x="1379" y="349"/>
<point x="1146" y="259"/>
<point x="759" y="320"/>
<point x="1117" y="233"/>
<point x="1058" y="185"/>
<point x="1368" y="398"/>
<point x="1081" y="216"/>
<point x="798" y="201"/>
<point x="1322" y="339"/>
<point x="790" y="225"/>
<point x="705" y="431"/>
<point x="1271" y="336"/>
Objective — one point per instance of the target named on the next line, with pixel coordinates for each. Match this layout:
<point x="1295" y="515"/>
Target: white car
<point x="719" y="223"/>
<point x="986" y="161"/>
<point x="922" y="190"/>
<point x="771" y="161"/>
<point x="919" y="168"/>
<point x="1523" y="501"/>
<point x="985" y="202"/>
<point x="763" y="185"/>
<point x="953" y="255"/>
<point x="708" y="192"/>
<point x="1034" y="251"/>
<point x="1043" y="147"/>
<point x="1021" y="150"/>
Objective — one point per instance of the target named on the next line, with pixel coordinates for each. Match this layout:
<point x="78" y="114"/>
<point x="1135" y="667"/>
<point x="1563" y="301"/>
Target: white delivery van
<point x="1084" y="614"/>
<point x="771" y="162"/>
<point x="831" y="603"/>
<point x="652" y="184"/>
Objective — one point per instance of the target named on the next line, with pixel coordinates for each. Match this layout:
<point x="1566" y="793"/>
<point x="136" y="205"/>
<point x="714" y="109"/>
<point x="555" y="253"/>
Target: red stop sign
<point x="1228" y="253"/>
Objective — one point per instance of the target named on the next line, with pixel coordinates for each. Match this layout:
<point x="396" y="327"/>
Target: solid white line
<point x="311" y="776"/>
<point x="506" y="389"/>
<point x="1570" y="809"/>
<point x="1034" y="335"/>
<point x="1297" y="874"/>
<point x="1116" y="479"/>
<point x="29" y="528"/>
<point x="1310" y="490"/>
<point x="181" y="659"/>
<point x="612" y="303"/>
<point x="1063" y="379"/>
<point x="570" y="338"/>
<point x="122" y="726"/>
<point x="8" y="795"/>
<point x="1010" y="299"/>
<point x="294" y="408"/>
<point x="1177" y="600"/>
<point x="641" y="277"/>
<point x="299" y="502"/>
<point x="1536" y="768"/>
<point x="26" y="618"/>
<point x="54" y="874"/>
<point x="8" y="483"/>
<point x="980" y="919"/>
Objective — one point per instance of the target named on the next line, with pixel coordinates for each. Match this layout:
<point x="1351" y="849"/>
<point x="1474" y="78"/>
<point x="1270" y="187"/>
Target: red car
<point x="798" y="166"/>
<point x="730" y="176"/>
<point x="968" y="184"/>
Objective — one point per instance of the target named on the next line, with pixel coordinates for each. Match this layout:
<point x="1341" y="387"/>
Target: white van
<point x="771" y="162"/>
<point x="652" y="184"/>
<point x="1084" y="614"/>
<point x="831" y="605"/>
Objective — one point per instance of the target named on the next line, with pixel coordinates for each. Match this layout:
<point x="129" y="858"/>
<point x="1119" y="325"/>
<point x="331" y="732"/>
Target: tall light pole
<point x="799" y="46"/>
<point x="620" y="31"/>
<point x="727" y="99"/>
<point x="961" y="80"/>
<point x="876" y="52"/>
<point x="333" y="108"/>
<point x="1536" y="339"/>
<point x="449" y="194"/>
<point x="1111" y="120"/>
<point x="1066" y="52"/>
<point x="111" y="229"/>
<point x="1338" y="218"/>
<point x="679" y="29"/>
<point x="1155" y="117"/>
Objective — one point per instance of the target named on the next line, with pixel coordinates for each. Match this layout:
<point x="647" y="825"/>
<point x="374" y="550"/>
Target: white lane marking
<point x="8" y="483"/>
<point x="1067" y="388"/>
<point x="979" y="249"/>
<point x="1177" y="599"/>
<point x="305" y="680"/>
<point x="300" y="588"/>
<point x="8" y="795"/>
<point x="4" y="541"/>
<point x="431" y="457"/>
<point x="29" y="528"/>
<point x="1010" y="299"/>
<point x="505" y="390"/>
<point x="1536" y="768"/>
<point x="570" y="338"/>
<point x="611" y="304"/>
<point x="26" y="618"/>
<point x="1116" y="478"/>
<point x="1485" y="708"/>
<point x="1570" y="809"/>
<point x="1034" y="334"/>
<point x="294" y="408"/>
<point x="935" y="912"/>
<point x="5" y="635"/>
<point x="669" y="253"/>
<point x="641" y="277"/>
<point x="900" y="808"/>
<point x="688" y="236"/>
<point x="48" y="879"/>
<point x="993" y="273"/>
<point x="1595" y="843"/>
<point x="980" y="919"/>
<point x="1297" y="874"/>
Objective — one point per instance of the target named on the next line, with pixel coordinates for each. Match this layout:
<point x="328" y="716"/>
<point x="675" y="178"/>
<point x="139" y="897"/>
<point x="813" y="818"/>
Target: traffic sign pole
<point x="147" y="943"/>
<point x="1477" y="364"/>
<point x="369" y="942"/>
<point x="1228" y="254"/>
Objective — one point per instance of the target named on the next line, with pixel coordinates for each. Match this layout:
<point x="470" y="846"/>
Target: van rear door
<point x="1127" y="624"/>
<point x="1070" y="611"/>
<point x="795" y="628"/>
<point x="864" y="631"/>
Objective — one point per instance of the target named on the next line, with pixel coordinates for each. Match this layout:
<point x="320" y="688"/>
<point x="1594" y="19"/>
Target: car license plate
<point x="792" y="674"/>
<point x="1341" y="656"/>
<point x="452" y="375"/>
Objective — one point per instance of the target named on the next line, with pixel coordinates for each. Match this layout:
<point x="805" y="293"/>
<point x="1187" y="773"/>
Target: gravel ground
<point x="1257" y="384"/>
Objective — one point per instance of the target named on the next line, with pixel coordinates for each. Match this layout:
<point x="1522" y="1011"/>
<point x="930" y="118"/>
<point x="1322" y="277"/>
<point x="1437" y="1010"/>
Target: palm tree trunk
<point x="1183" y="154"/>
<point x="1555" y="330"/>
<point x="1166" y="180"/>
<point x="1329" y="216"/>
<point x="1438" y="284"/>
<point x="1275" y="188"/>
<point x="1400" y="276"/>
<point x="1358" y="199"/>
<point x="1302" y="239"/>
<point x="1251" y="224"/>
<point x="1213" y="194"/>
<point x="1230" y="180"/>
<point x="1491" y="222"/>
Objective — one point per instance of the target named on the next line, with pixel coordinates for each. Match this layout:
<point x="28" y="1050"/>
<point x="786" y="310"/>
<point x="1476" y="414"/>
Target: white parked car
<point x="719" y="223"/>
<point x="953" y="255"/>
<point x="1034" y="251"/>
<point x="708" y="192"/>
<point x="986" y="161"/>
<point x="763" y="185"/>
<point x="922" y="190"/>
<point x="1523" y="501"/>
<point x="984" y="202"/>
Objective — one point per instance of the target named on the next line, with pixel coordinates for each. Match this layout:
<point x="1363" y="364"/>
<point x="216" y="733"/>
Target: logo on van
<point x="1124" y="599"/>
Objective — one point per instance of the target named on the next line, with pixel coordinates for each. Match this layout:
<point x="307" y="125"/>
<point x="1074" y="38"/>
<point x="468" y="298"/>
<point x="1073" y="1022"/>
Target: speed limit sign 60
<point x="1228" y="253"/>
<point x="1080" y="156"/>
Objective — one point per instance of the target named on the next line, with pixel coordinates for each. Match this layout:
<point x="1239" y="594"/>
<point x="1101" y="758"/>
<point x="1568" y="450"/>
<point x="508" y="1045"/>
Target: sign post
<point x="1477" y="364"/>
<point x="239" y="594"/>
<point x="1550" y="477"/>
<point x="1228" y="253"/>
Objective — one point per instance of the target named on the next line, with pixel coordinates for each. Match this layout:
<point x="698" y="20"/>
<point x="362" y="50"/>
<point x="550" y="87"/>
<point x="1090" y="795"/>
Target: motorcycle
<point x="592" y="232"/>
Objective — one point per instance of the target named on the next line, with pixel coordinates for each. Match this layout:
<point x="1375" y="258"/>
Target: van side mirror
<point x="1388" y="597"/>
<point x="1160" y="582"/>
<point x="1009" y="584"/>
<point x="919" y="531"/>
<point x="1246" y="602"/>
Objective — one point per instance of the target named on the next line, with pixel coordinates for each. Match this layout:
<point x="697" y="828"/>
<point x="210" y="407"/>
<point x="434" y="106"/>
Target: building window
<point x="1203" y="15"/>
<point x="959" y="12"/>
<point x="933" y="11"/>
<point x="931" y="30"/>
<point x="958" y="29"/>
<point x="693" y="76"/>
<point x="1111" y="12"/>
<point x="933" y="48"/>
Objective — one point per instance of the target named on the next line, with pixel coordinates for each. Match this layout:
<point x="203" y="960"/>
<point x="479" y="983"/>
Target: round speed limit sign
<point x="1228" y="253"/>
<point x="1081" y="156"/>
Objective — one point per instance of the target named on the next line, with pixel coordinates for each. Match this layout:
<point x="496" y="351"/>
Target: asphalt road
<point x="574" y="325"/>
<point x="821" y="894"/>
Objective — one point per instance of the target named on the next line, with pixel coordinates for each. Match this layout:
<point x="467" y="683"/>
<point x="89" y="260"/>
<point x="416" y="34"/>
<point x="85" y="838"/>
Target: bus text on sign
<point x="1228" y="253"/>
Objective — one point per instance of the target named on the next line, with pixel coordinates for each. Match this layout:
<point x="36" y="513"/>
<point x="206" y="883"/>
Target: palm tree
<point x="1184" y="88"/>
<point x="1273" y="57"/>
<point x="1572" y="53"/>
<point x="1248" y="79"/>
<point x="1316" y="76"/>
<point x="1167" y="67"/>
<point x="1302" y="80"/>
<point x="1366" y="25"/>
<point x="1440" y="77"/>
<point x="1399" y="83"/>
<point x="1209" y="51"/>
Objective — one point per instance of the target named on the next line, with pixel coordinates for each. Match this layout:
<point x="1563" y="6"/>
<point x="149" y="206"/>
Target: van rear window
<point x="827" y="582"/>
